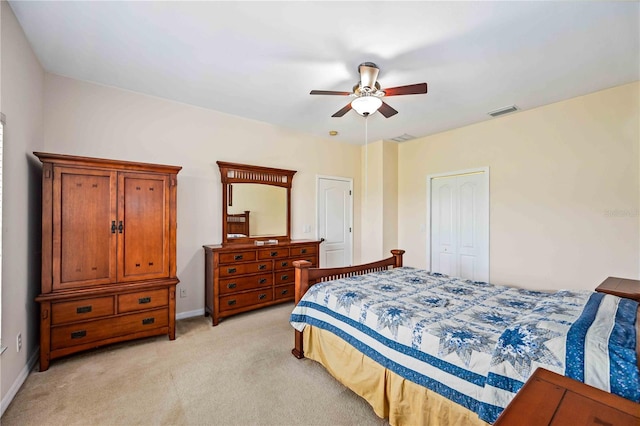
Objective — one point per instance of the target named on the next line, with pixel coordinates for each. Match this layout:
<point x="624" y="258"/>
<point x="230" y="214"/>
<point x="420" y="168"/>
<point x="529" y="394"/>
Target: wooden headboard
<point x="238" y="223"/>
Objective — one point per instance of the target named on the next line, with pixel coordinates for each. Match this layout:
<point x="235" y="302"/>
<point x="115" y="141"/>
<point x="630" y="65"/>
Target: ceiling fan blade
<point x="386" y="110"/>
<point x="411" y="89"/>
<point x="343" y="111"/>
<point x="329" y="92"/>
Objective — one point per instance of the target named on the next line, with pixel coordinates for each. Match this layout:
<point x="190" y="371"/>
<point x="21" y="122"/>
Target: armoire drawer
<point x="245" y="268"/>
<point x="285" y="291"/>
<point x="83" y="309"/>
<point x="233" y="285"/>
<point x="246" y="299"/>
<point x="131" y="302"/>
<point x="93" y="331"/>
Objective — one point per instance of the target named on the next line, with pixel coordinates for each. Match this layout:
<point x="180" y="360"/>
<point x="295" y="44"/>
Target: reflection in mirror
<point x="266" y="206"/>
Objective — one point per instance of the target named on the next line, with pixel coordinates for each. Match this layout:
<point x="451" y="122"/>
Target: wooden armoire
<point x="108" y="253"/>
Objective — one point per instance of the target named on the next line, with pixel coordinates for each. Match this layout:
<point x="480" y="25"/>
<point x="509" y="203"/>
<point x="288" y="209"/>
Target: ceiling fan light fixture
<point x="366" y="105"/>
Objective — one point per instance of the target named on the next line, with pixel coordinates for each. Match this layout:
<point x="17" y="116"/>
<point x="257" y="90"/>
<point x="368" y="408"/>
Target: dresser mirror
<point x="256" y="203"/>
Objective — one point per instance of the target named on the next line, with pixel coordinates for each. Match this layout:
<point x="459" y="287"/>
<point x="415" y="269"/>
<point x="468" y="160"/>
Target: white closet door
<point x="460" y="225"/>
<point x="335" y="210"/>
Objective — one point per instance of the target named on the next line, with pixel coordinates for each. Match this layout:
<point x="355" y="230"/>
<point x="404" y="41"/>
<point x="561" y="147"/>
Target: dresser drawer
<point x="93" y="331"/>
<point x="285" y="276"/>
<point x="233" y="285"/>
<point x="282" y="264"/>
<point x="310" y="259"/>
<point x="79" y="310"/>
<point x="245" y="268"/>
<point x="303" y="250"/>
<point x="285" y="291"/>
<point x="143" y="300"/>
<point x="244" y="256"/>
<point x="273" y="253"/>
<point x="246" y="299"/>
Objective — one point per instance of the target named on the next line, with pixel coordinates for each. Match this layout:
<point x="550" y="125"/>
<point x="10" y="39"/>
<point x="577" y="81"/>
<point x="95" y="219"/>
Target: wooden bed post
<point x="302" y="277"/>
<point x="398" y="255"/>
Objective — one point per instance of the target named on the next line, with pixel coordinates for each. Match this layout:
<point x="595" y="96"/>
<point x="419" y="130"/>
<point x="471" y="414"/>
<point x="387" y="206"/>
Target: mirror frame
<point x="231" y="173"/>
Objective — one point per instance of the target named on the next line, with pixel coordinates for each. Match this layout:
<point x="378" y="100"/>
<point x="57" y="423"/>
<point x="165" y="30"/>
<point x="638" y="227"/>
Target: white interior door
<point x="460" y="225"/>
<point x="335" y="213"/>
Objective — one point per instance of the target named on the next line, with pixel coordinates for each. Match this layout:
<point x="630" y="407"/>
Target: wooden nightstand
<point x="622" y="287"/>
<point x="549" y="398"/>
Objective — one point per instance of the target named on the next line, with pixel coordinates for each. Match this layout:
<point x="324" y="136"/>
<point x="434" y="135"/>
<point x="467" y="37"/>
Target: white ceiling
<point x="259" y="60"/>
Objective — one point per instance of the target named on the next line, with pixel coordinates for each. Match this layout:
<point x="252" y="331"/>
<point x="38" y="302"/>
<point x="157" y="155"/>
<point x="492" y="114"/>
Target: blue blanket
<point x="477" y="343"/>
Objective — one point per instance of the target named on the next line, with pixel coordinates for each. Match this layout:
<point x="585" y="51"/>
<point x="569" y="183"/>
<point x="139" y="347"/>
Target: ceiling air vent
<point x="403" y="138"/>
<point x="502" y="111"/>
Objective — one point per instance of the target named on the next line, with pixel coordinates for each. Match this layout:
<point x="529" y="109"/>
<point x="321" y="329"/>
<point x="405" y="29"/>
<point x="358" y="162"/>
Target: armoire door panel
<point x="84" y="242"/>
<point x="143" y="250"/>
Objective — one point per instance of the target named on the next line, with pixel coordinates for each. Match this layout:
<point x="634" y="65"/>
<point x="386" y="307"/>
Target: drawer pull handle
<point x="303" y="251"/>
<point x="78" y="334"/>
<point x="262" y="267"/>
<point x="231" y="285"/>
<point x="147" y="321"/>
<point x="285" y="263"/>
<point x="144" y="300"/>
<point x="274" y="253"/>
<point x="150" y="263"/>
<point x="262" y="280"/>
<point x="113" y="226"/>
<point x="262" y="296"/>
<point x="231" y="302"/>
<point x="284" y="277"/>
<point x="120" y="227"/>
<point x="237" y="257"/>
<point x="231" y="270"/>
<point x="137" y="265"/>
<point x="83" y="309"/>
<point x="285" y="291"/>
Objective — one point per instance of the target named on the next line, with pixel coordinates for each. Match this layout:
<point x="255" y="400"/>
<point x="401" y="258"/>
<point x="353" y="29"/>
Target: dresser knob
<point x="231" y="302"/>
<point x="262" y="296"/>
<point x="231" y="285"/>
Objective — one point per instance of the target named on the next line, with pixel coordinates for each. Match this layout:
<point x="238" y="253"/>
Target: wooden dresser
<point x="108" y="253"/>
<point x="548" y="398"/>
<point x="244" y="277"/>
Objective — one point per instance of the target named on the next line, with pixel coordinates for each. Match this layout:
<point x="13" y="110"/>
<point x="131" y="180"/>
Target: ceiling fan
<point x="368" y="94"/>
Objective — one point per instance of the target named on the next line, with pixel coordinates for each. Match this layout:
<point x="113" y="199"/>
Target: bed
<point x="238" y="225"/>
<point x="424" y="348"/>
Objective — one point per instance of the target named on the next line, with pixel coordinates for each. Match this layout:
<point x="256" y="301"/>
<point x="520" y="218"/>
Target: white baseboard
<point x="190" y="314"/>
<point x="15" y="387"/>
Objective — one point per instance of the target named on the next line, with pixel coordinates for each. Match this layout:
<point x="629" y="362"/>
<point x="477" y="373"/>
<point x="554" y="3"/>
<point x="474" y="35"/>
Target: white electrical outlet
<point x="19" y="342"/>
<point x="183" y="292"/>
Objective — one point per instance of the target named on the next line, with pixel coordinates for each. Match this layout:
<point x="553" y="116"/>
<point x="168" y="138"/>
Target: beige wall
<point x="380" y="200"/>
<point x="564" y="189"/>
<point x="390" y="197"/>
<point x="21" y="99"/>
<point x="92" y="120"/>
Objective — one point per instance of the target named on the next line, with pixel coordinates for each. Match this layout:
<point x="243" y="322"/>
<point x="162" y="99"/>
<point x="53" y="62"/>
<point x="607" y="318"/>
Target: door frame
<point x="485" y="172"/>
<point x="343" y="179"/>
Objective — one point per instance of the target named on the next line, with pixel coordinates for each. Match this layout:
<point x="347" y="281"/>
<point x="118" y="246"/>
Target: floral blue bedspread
<point x="477" y="343"/>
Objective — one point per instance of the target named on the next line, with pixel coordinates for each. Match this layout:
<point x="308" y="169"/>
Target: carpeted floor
<point x="238" y="373"/>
